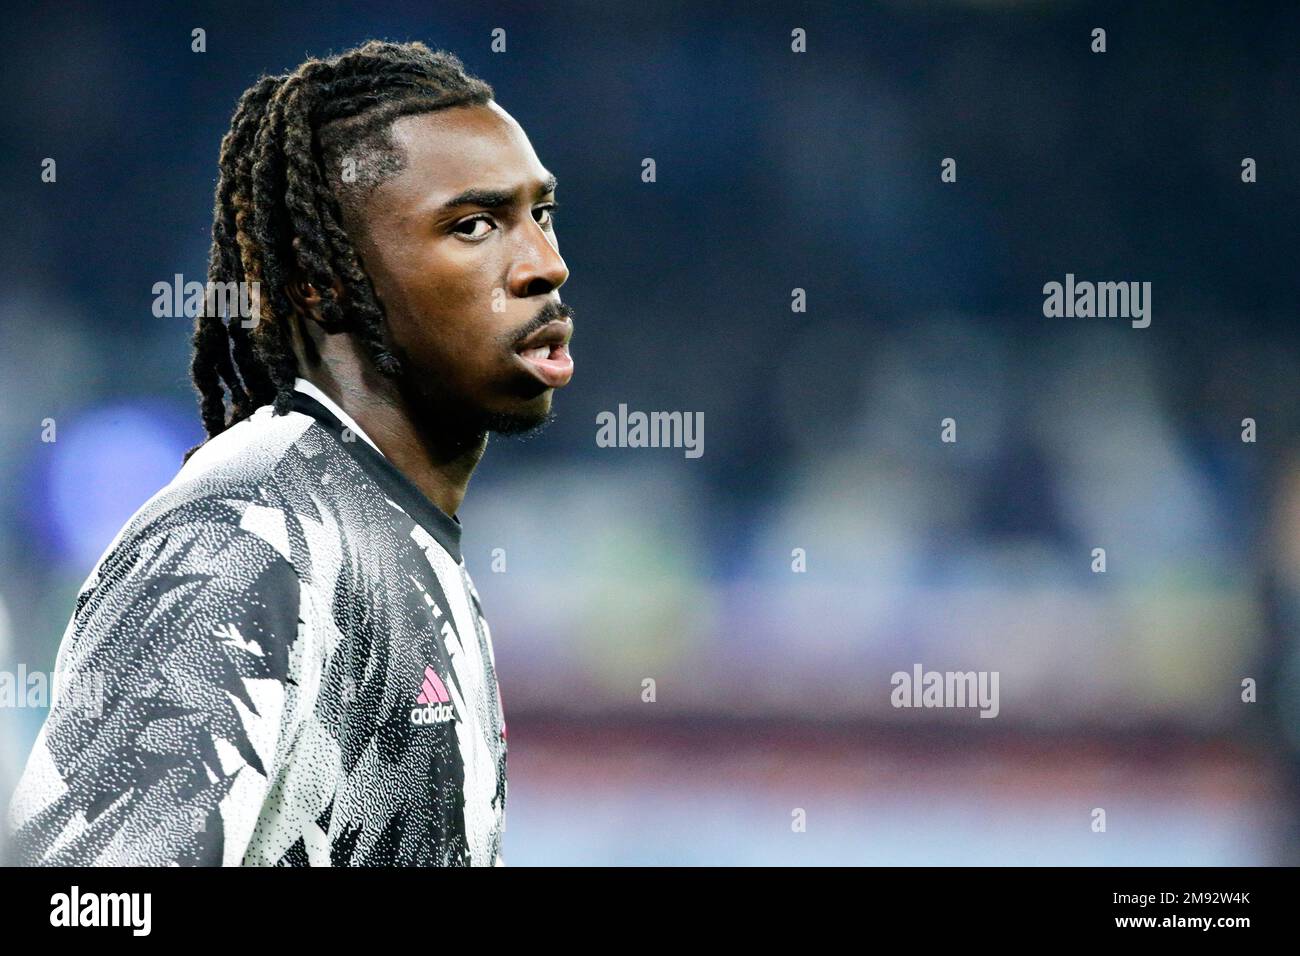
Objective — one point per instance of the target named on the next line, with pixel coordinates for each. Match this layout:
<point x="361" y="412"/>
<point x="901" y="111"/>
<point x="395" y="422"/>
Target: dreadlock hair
<point x="304" y="148"/>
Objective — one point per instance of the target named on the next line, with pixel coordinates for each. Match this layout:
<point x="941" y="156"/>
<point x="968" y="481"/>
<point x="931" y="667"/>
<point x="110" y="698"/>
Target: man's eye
<point x="473" y="224"/>
<point x="549" y="209"/>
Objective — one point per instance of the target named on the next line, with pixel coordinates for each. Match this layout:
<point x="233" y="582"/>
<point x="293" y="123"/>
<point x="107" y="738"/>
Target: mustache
<point x="551" y="312"/>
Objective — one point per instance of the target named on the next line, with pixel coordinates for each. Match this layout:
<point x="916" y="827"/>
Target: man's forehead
<point x="449" y="151"/>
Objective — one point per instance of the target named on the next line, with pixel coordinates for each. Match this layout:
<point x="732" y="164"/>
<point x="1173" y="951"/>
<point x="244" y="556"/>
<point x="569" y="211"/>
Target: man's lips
<point x="546" y="353"/>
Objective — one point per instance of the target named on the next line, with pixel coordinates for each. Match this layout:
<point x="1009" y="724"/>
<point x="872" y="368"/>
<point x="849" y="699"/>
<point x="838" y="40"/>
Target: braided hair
<point x="303" y="149"/>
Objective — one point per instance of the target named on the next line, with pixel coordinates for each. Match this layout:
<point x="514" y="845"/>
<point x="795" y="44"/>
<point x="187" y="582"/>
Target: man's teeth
<point x="541" y="352"/>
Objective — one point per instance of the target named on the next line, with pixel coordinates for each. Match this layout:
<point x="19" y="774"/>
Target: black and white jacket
<point x="289" y="665"/>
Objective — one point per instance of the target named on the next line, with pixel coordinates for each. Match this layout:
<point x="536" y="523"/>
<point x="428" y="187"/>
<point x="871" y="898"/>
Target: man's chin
<point x="518" y="422"/>
<point x="460" y="418"/>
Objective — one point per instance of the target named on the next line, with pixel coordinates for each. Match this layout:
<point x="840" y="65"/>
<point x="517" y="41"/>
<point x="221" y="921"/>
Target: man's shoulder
<point x="236" y="486"/>
<point x="249" y="453"/>
<point x="186" y="544"/>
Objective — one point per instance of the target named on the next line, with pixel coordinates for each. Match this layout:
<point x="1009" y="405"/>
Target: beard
<point x="455" y="422"/>
<point x="515" y="425"/>
<point x="459" y="421"/>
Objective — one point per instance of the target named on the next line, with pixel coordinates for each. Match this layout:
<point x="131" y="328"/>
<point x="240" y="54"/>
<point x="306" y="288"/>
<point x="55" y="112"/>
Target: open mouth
<point x="546" y="354"/>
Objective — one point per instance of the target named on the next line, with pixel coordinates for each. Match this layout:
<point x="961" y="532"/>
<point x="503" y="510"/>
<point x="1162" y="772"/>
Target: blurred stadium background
<point x="775" y="171"/>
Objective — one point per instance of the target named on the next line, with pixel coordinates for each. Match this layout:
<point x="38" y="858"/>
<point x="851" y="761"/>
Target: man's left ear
<point x="306" y="298"/>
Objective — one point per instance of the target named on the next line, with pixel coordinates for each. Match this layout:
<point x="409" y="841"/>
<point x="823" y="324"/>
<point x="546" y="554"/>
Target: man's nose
<point x="540" y="268"/>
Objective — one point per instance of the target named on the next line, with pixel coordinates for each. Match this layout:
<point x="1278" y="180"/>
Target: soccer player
<point x="290" y="664"/>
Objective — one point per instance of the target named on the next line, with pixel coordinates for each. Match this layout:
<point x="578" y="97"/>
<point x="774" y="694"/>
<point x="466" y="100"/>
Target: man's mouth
<point x="546" y="353"/>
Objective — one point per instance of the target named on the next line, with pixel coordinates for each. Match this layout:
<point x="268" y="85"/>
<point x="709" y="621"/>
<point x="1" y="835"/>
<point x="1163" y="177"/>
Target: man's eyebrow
<point x="495" y="198"/>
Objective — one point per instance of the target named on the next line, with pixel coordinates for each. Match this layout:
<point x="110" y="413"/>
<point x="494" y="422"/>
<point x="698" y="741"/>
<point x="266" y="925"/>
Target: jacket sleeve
<point x="174" y="705"/>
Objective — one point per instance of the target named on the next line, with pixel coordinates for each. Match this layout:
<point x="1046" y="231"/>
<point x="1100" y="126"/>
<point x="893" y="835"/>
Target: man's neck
<point x="438" y="464"/>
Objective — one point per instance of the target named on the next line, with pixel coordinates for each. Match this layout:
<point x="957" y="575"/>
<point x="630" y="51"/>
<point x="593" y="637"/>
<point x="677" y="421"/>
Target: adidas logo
<point x="433" y="694"/>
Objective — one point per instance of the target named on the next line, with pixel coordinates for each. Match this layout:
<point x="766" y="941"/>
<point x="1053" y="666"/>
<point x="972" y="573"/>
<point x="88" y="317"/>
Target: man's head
<point x="399" y="224"/>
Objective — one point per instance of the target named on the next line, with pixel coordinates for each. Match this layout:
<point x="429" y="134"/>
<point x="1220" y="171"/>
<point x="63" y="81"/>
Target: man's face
<point x="461" y="250"/>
